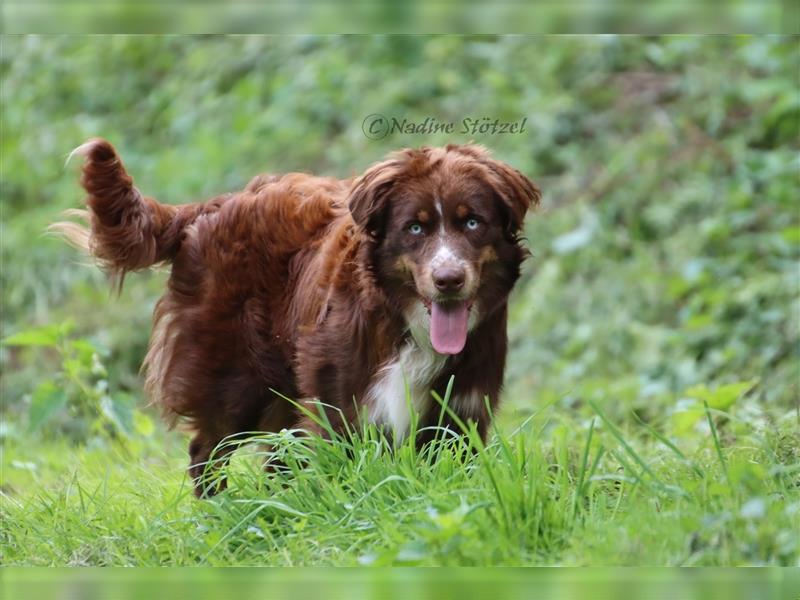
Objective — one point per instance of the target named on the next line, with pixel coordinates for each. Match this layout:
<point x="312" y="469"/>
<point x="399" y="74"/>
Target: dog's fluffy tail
<point x="127" y="231"/>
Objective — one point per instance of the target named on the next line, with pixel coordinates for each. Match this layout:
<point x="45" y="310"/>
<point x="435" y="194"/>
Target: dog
<point x="363" y="295"/>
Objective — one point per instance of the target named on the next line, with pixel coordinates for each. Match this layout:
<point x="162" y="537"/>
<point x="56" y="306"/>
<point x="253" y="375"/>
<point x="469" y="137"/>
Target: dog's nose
<point x="449" y="279"/>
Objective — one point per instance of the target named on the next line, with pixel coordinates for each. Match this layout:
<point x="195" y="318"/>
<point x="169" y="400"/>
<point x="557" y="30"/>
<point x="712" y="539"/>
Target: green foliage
<point x="76" y="401"/>
<point x="650" y="413"/>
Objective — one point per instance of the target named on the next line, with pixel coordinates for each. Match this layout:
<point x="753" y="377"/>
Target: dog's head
<point x="443" y="225"/>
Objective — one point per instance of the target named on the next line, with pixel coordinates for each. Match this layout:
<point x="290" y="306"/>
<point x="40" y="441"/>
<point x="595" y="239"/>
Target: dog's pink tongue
<point x="449" y="327"/>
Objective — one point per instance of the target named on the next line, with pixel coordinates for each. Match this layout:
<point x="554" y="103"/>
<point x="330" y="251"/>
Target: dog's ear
<point x="516" y="192"/>
<point x="369" y="198"/>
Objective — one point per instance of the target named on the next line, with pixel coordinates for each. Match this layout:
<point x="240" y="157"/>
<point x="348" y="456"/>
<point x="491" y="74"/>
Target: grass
<point x="538" y="493"/>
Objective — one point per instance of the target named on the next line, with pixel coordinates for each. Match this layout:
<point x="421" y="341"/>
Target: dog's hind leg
<point x="207" y="459"/>
<point x="241" y="413"/>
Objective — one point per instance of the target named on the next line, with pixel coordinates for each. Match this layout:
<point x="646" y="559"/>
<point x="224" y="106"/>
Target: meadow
<point x="651" y="413"/>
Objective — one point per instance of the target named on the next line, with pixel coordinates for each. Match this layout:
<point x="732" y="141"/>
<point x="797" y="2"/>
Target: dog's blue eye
<point x="415" y="228"/>
<point x="472" y="224"/>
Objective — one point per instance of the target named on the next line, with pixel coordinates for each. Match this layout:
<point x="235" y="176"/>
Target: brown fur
<point x="299" y="284"/>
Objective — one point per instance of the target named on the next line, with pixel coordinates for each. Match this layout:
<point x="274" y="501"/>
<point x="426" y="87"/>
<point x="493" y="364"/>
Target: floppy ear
<point x="369" y="198"/>
<point x="516" y="192"/>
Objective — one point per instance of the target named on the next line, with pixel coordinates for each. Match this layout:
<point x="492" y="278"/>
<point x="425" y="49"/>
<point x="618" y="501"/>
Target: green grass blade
<point x="582" y="472"/>
<point x="717" y="446"/>
<point x="626" y="446"/>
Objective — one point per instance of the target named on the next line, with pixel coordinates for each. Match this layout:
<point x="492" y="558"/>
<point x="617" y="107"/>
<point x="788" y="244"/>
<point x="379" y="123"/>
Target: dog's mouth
<point x="449" y="324"/>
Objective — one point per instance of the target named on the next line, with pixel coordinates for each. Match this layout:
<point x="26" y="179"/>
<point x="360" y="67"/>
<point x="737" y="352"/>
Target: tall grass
<point x="529" y="496"/>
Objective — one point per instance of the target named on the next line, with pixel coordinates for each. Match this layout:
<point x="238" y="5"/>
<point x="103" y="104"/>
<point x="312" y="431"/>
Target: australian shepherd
<point x="363" y="295"/>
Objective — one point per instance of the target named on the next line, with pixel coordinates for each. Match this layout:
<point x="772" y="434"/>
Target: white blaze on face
<point x="441" y="217"/>
<point x="445" y="257"/>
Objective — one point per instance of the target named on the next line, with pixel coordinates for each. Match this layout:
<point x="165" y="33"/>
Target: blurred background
<point x="664" y="267"/>
<point x="444" y="16"/>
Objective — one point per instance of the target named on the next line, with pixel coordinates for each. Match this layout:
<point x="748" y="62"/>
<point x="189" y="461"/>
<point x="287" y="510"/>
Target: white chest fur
<point x="403" y="385"/>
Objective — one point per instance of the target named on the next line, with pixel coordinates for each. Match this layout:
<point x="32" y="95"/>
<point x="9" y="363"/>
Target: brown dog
<point x="361" y="293"/>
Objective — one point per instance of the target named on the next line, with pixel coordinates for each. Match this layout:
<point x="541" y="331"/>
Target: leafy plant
<point x="77" y="399"/>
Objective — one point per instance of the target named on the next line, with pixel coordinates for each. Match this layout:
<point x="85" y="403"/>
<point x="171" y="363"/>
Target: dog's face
<point x="444" y="224"/>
